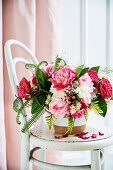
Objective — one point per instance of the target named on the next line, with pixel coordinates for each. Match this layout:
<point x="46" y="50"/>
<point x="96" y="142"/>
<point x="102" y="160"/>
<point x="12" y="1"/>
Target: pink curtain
<point x="36" y="23"/>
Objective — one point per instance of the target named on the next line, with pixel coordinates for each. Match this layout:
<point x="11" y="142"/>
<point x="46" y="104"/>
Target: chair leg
<point x="95" y="160"/>
<point x="41" y="157"/>
<point x="25" y="153"/>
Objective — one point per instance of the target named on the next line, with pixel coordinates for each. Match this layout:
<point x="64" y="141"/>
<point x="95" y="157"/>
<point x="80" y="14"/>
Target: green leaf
<point x="103" y="106"/>
<point x="95" y="68"/>
<point x="111" y="97"/>
<point x="40" y="77"/>
<point x="27" y="66"/>
<point x="84" y="71"/>
<point x="99" y="105"/>
<point x="57" y="62"/>
<point x="33" y="119"/>
<point x="79" y="70"/>
<point x="37" y="103"/>
<point x="86" y="115"/>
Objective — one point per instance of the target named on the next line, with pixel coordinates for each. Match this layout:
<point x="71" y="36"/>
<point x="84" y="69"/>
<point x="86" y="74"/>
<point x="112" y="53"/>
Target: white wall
<point x="88" y="35"/>
<point x="88" y="31"/>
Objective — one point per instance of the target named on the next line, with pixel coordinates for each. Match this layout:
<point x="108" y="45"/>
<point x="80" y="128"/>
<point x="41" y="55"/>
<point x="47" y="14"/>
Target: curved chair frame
<point x="25" y="141"/>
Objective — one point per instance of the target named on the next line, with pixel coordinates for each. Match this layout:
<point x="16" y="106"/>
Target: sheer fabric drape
<point x="37" y="25"/>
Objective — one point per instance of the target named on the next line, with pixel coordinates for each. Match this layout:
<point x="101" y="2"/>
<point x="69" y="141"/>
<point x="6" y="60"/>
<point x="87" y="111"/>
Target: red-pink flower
<point x="34" y="82"/>
<point x="63" y="77"/>
<point x="24" y="88"/>
<point x="82" y="111"/>
<point x="93" y="75"/>
<point x="104" y="88"/>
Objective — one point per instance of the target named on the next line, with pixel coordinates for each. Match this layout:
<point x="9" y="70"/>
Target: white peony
<point x="58" y="94"/>
<point x="83" y="92"/>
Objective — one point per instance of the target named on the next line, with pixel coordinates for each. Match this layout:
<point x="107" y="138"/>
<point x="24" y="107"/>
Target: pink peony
<point x="93" y="75"/>
<point x="58" y="108"/>
<point x="47" y="69"/>
<point x="104" y="88"/>
<point x="85" y="79"/>
<point x="63" y="77"/>
<point x="24" y="88"/>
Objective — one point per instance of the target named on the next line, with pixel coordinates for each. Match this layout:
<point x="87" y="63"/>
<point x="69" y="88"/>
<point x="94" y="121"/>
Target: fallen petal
<point x="94" y="135"/>
<point x="84" y="133"/>
<point x="58" y="137"/>
<point x="62" y="136"/>
<point x="85" y="137"/>
<point x="100" y="133"/>
<point x="81" y="134"/>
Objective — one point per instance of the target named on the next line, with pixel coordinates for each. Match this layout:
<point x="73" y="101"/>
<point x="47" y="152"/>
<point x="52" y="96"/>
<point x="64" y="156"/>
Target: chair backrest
<point x="11" y="67"/>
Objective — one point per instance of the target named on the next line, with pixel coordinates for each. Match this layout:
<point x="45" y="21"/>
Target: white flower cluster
<point x="48" y="99"/>
<point x="58" y="94"/>
<point x="83" y="92"/>
<point x="75" y="108"/>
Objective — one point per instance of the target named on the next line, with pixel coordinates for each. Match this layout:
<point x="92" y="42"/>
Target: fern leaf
<point x="57" y="62"/>
<point x="17" y="119"/>
<point x="95" y="107"/>
<point x="70" y="124"/>
<point x="50" y="120"/>
<point x="17" y="104"/>
<point x="86" y="115"/>
<point x="27" y="66"/>
<point x="46" y="63"/>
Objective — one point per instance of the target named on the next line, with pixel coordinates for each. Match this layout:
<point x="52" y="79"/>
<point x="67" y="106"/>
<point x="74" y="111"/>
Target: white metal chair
<point x="42" y="138"/>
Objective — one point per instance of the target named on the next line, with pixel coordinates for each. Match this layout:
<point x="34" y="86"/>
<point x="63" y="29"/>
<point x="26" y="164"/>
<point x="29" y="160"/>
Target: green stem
<point x="45" y="91"/>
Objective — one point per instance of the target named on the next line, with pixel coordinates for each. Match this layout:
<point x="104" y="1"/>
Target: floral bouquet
<point x="63" y="91"/>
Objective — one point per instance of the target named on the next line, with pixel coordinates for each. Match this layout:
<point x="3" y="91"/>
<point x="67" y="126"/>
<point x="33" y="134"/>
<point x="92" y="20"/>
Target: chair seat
<point x="44" y="138"/>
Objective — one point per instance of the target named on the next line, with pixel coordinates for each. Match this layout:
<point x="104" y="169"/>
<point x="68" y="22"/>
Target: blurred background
<point x="81" y="31"/>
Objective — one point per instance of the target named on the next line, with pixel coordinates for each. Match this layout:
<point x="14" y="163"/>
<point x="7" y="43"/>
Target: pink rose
<point x="93" y="75"/>
<point x="24" y="88"/>
<point x="58" y="108"/>
<point x="63" y="77"/>
<point x="104" y="88"/>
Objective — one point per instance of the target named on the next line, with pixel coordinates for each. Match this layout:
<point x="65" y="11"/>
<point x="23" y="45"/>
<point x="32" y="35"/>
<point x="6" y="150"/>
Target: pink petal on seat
<point x="94" y="135"/>
<point x="62" y="136"/>
<point x="85" y="137"/>
<point x="101" y="134"/>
